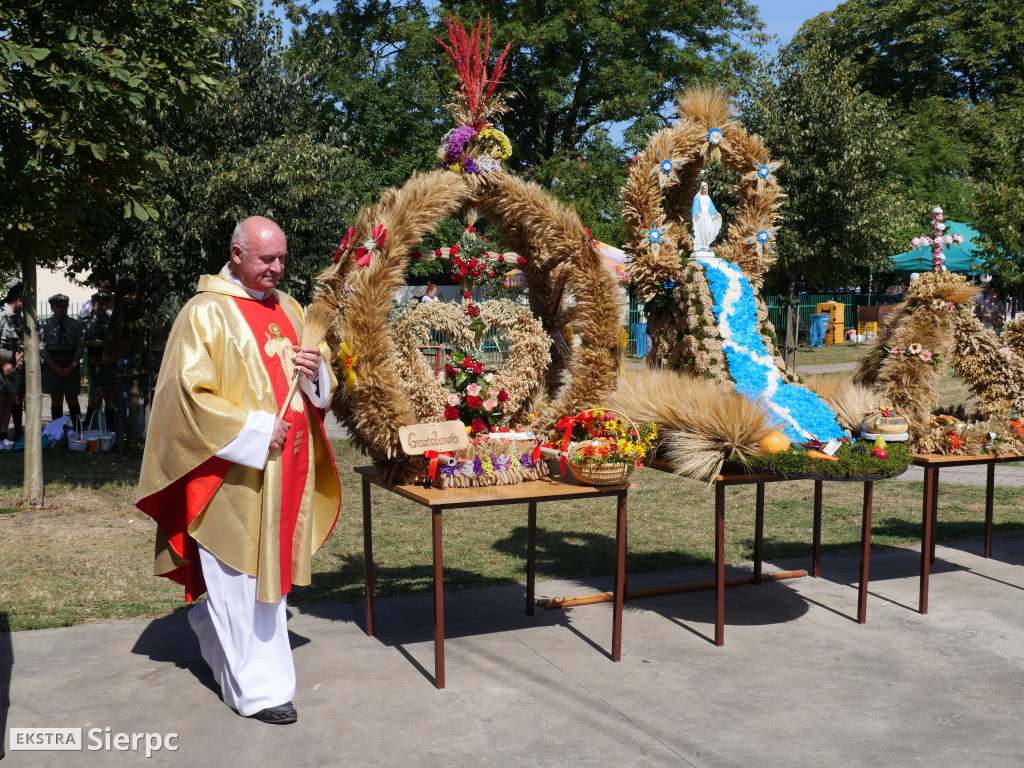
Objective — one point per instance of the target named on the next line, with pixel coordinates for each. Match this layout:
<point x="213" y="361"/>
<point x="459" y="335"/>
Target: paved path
<point x="798" y="681"/>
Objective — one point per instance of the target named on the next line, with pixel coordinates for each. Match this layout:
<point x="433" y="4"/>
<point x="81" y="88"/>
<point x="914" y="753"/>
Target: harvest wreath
<point x="388" y="383"/>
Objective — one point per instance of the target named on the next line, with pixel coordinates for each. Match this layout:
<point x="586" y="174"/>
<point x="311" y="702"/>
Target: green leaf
<point x="140" y="212"/>
<point x="99" y="150"/>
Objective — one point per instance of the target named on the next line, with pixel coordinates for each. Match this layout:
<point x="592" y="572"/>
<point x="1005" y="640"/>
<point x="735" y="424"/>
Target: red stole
<point x="261" y="317"/>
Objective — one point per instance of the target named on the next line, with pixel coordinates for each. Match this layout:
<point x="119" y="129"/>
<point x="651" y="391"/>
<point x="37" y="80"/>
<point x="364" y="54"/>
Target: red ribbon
<point x="343" y="245"/>
<point x="363" y="255"/>
<point x="434" y="456"/>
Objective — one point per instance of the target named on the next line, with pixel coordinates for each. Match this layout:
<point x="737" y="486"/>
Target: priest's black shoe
<point x="279" y="715"/>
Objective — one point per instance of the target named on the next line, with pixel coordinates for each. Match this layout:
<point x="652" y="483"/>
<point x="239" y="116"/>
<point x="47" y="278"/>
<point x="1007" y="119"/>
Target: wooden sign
<point x="440" y="436"/>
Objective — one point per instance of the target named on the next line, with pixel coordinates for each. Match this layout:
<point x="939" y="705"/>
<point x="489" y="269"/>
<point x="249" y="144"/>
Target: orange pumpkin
<point x="774" y="442"/>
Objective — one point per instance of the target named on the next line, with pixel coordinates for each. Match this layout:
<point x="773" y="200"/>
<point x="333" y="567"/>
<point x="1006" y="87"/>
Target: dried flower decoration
<point x="476" y="102"/>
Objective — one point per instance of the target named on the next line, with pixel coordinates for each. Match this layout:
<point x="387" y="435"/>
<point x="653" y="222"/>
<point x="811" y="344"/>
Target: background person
<point x="242" y="498"/>
<point x="12" y="361"/>
<point x="430" y="295"/>
<point x="96" y="336"/>
<point x="60" y="346"/>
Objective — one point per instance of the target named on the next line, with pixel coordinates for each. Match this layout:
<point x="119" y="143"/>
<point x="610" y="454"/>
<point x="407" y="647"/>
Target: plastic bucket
<point x="107" y="441"/>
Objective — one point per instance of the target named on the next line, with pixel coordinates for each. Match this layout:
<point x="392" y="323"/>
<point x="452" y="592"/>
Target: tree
<point x="252" y="150"/>
<point x="970" y="50"/>
<point x="838" y="145"/>
<point x="955" y="69"/>
<point x="77" y="77"/>
<point x="383" y="84"/>
<point x="999" y="194"/>
<point x="583" y="64"/>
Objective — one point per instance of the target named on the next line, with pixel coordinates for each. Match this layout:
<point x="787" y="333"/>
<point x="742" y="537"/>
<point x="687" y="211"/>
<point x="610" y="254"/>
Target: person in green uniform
<point x="12" y="358"/>
<point x="60" y="347"/>
<point x="96" y="336"/>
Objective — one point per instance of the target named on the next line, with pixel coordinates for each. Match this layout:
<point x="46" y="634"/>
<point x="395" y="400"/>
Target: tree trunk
<point x="119" y="372"/>
<point x="32" y="490"/>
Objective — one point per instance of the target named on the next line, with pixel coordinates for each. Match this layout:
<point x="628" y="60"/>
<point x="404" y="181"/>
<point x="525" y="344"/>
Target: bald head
<point x="252" y="228"/>
<point x="258" y="250"/>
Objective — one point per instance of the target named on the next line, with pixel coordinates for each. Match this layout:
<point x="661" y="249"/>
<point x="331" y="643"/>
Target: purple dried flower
<point x="448" y="471"/>
<point x="458" y="140"/>
<point x="478" y="466"/>
<point x="470" y="166"/>
<point x="526" y="460"/>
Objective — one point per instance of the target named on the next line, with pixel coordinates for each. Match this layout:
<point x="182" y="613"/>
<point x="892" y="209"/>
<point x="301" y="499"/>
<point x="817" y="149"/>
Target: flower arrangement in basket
<point x="603" y="446"/>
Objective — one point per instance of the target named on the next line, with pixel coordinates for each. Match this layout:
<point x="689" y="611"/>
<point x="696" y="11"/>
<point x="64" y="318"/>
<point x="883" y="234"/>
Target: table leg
<point x="438" y="600"/>
<point x="935" y="514"/>
<point x="719" y="564"/>
<point x="758" y="533"/>
<point x="989" y="504"/>
<point x="368" y="555"/>
<point x="620" y="577"/>
<point x="926" y="536"/>
<point x="531" y="556"/>
<point x="865" y="552"/>
<point x="816" y="546"/>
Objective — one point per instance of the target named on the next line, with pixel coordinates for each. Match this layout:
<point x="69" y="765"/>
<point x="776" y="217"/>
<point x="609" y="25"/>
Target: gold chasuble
<point x="229" y="354"/>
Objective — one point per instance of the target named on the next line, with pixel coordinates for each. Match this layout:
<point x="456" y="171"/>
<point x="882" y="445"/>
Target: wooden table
<point x="730" y="477"/>
<point x="932" y="463"/>
<point x="531" y="493"/>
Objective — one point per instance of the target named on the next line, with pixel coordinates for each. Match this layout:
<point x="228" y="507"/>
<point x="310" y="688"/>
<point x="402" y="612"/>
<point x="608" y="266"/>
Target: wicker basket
<point x="603" y="474"/>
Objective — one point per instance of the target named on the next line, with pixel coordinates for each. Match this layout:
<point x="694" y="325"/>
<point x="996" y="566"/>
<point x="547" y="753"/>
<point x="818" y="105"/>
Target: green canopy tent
<point x="963" y="257"/>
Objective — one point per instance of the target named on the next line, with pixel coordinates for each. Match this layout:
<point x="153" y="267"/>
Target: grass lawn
<point x="87" y="556"/>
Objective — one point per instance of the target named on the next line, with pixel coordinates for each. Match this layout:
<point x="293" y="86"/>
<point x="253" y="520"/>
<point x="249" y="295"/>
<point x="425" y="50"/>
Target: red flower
<point x="521" y="259"/>
<point x="502" y="396"/>
<point x="487" y="255"/>
<point x="457" y="261"/>
<point x="473" y="401"/>
<point x="451" y="413"/>
<point x="501" y="257"/>
<point x="479" y="425"/>
<point x="472" y="262"/>
<point x="415" y="255"/>
<point x="467" y="363"/>
<point x="491" y="273"/>
<point x="478" y="368"/>
<point x="470" y="228"/>
<point x="454" y="249"/>
<point x="475" y="273"/>
<point x="437" y="251"/>
<point x="464" y="270"/>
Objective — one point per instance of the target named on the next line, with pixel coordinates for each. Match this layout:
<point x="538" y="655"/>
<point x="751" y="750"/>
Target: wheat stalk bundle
<point x="319" y="319"/>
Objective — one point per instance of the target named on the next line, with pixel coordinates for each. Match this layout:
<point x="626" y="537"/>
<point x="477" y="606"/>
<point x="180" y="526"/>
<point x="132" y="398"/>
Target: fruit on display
<point x="880" y="453"/>
<point x="774" y="442"/>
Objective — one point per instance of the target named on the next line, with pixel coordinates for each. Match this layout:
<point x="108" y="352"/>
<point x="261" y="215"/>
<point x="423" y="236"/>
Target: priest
<point x="242" y="498"/>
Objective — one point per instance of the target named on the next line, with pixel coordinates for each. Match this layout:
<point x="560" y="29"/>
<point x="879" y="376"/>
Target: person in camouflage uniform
<point x="96" y="337"/>
<point x="60" y="347"/>
<point x="12" y="359"/>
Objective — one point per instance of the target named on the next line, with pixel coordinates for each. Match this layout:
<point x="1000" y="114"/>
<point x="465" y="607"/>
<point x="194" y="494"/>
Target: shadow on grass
<point x="6" y="667"/>
<point x="79" y="470"/>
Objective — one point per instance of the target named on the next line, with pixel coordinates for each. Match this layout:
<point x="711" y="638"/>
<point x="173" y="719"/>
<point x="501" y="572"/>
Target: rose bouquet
<point x="470" y="399"/>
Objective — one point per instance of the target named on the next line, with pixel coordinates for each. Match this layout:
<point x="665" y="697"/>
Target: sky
<point x="784" y="17"/>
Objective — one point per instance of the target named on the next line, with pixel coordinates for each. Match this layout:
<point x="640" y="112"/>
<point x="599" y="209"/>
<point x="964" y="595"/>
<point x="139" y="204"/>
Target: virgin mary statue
<point x="706" y="220"/>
